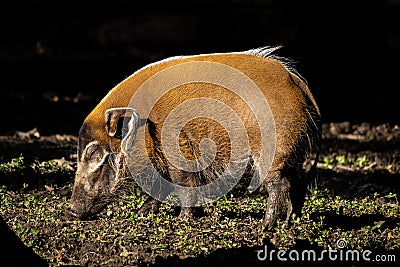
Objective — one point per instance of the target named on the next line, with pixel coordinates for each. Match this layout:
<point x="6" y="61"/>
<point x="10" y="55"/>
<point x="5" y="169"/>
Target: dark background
<point x="59" y="58"/>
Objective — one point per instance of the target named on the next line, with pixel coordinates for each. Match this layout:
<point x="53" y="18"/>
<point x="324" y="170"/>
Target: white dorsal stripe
<point x="265" y="52"/>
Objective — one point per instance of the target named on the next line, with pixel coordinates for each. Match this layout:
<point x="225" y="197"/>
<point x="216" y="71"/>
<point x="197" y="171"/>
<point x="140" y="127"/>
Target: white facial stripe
<point x="86" y="147"/>
<point x="96" y="165"/>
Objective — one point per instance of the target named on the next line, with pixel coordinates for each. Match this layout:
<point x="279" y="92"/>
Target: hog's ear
<point x="128" y="127"/>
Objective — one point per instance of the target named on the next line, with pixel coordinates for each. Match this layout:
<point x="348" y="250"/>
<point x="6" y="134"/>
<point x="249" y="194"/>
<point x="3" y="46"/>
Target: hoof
<point x="185" y="214"/>
<point x="147" y="208"/>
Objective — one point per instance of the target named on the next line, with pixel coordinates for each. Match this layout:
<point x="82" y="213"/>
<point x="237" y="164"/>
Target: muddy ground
<point x="356" y="200"/>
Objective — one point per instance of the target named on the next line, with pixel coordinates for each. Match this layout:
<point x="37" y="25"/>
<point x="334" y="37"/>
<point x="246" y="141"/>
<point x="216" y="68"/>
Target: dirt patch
<point x="356" y="201"/>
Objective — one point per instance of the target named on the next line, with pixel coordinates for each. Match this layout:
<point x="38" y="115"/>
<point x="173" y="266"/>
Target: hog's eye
<point x="93" y="153"/>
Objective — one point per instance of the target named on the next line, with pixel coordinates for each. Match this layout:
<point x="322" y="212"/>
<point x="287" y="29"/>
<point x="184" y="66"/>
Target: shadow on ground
<point x="13" y="252"/>
<point x="299" y="255"/>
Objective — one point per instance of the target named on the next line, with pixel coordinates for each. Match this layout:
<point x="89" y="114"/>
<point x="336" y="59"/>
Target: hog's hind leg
<point x="278" y="197"/>
<point x="298" y="189"/>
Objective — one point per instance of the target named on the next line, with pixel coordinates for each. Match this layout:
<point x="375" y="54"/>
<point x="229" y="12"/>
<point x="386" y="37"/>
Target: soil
<point x="381" y="173"/>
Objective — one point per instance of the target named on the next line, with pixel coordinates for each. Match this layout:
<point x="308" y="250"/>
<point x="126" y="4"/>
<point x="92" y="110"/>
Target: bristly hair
<point x="268" y="52"/>
<point x="312" y="147"/>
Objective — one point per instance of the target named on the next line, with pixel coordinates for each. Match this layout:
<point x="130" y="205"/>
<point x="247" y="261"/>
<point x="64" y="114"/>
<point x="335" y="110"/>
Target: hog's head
<point x="101" y="168"/>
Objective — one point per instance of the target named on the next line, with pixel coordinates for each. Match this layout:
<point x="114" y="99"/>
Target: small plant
<point x="362" y="161"/>
<point x="16" y="164"/>
<point x="51" y="167"/>
<point x="328" y="162"/>
<point x="340" y="159"/>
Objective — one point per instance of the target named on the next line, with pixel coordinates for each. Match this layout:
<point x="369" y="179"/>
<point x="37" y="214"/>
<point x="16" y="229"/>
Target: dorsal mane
<point x="269" y="52"/>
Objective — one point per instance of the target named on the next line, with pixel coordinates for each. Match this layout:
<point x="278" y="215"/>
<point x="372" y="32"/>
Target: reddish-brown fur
<point x="296" y="115"/>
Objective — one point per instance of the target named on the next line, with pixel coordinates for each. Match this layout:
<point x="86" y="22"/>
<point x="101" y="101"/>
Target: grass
<point x="341" y="160"/>
<point x="18" y="173"/>
<point x="36" y="213"/>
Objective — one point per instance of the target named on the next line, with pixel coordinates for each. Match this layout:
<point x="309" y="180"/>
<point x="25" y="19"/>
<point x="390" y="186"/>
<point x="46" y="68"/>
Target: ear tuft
<point x="112" y="116"/>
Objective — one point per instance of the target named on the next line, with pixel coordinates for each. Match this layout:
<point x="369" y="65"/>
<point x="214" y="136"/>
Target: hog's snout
<point x="80" y="203"/>
<point x="83" y="204"/>
<point x="75" y="211"/>
<point x="82" y="210"/>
